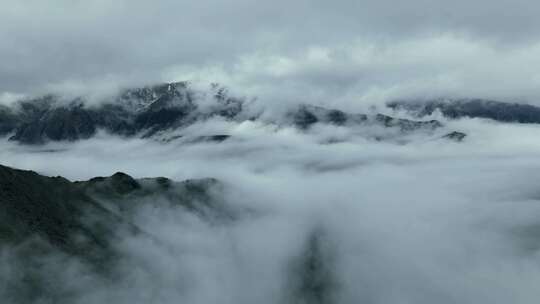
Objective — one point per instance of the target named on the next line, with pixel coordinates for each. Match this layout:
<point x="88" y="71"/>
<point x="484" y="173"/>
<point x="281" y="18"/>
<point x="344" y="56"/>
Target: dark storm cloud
<point x="360" y="50"/>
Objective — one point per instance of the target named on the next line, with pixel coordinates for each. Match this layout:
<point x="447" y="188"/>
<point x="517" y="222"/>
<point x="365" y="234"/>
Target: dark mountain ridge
<point x="140" y="111"/>
<point x="49" y="225"/>
<point x="146" y="111"/>
<point x="81" y="217"/>
<point x="481" y="108"/>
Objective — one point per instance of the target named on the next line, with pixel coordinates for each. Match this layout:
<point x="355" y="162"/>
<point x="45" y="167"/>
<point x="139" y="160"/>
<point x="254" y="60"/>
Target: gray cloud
<point x="419" y="220"/>
<point x="431" y="221"/>
<point x="375" y="49"/>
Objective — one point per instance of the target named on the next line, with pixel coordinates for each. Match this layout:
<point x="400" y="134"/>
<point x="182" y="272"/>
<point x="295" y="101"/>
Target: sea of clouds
<point x="424" y="220"/>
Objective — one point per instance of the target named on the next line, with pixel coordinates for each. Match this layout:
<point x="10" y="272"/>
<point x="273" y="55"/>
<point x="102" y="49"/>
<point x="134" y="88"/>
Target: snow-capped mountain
<point x="147" y="111"/>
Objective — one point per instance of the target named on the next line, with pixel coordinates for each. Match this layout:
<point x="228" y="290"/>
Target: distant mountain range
<point x="42" y="218"/>
<point x="147" y="111"/>
<point x="480" y="108"/>
<point x="54" y="208"/>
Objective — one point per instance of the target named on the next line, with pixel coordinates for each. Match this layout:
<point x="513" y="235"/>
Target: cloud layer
<point x="347" y="52"/>
<point x="431" y="221"/>
<point x="423" y="220"/>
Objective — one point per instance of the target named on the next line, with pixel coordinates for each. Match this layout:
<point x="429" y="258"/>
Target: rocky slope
<point x="306" y="116"/>
<point x="144" y="112"/>
<point x="140" y="111"/>
<point x="84" y="218"/>
<point x="147" y="111"/>
<point x="47" y="222"/>
<point x="496" y="110"/>
<point x="50" y="226"/>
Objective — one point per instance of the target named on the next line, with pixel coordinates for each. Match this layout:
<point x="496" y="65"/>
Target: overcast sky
<point x="338" y="52"/>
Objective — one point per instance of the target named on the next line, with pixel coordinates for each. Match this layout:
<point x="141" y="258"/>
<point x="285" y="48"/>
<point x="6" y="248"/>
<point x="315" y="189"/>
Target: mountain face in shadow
<point x="139" y="111"/>
<point x="144" y="112"/>
<point x="49" y="221"/>
<point x="51" y="208"/>
<point x="481" y="108"/>
<point x="51" y="227"/>
<point x="147" y="111"/>
<point x="306" y="116"/>
<point x="78" y="217"/>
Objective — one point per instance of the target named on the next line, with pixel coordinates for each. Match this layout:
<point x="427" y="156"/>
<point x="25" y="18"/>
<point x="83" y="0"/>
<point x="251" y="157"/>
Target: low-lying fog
<point x="425" y="220"/>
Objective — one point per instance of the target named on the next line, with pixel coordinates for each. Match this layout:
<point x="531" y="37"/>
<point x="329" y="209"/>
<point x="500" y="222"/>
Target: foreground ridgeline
<point x="51" y="227"/>
<point x="55" y="220"/>
<point x="57" y="211"/>
<point x="155" y="110"/>
<point x="133" y="112"/>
